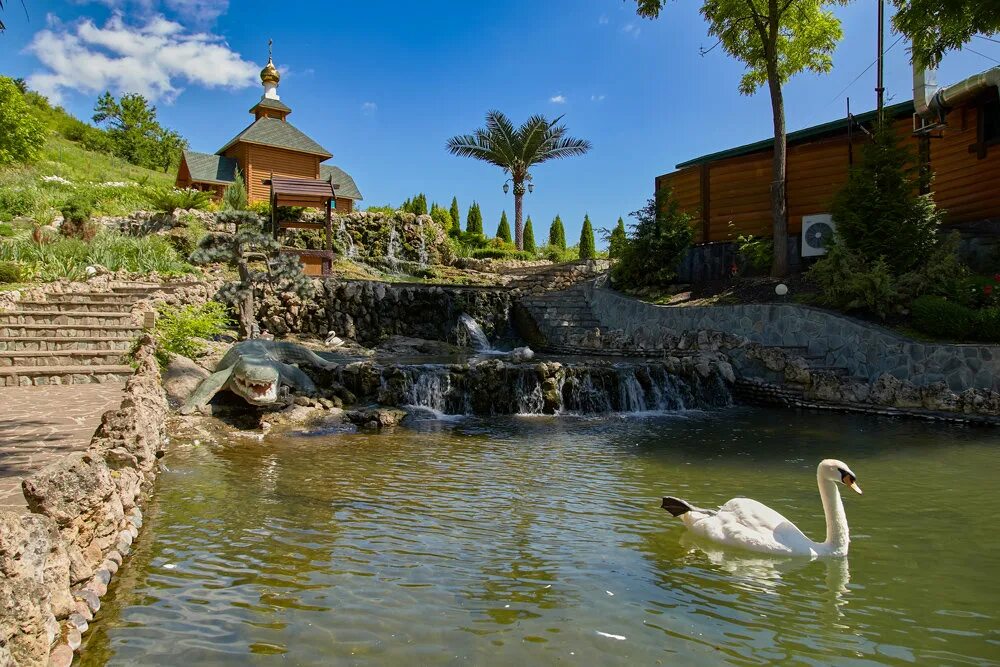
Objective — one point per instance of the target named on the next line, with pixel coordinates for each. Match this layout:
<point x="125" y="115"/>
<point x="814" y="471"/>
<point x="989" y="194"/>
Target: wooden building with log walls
<point x="728" y="193"/>
<point x="269" y="146"/>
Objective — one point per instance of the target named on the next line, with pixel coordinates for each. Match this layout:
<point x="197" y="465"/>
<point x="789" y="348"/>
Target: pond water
<point x="538" y="541"/>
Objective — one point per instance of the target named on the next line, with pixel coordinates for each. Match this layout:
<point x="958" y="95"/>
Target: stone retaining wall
<point x="558" y="276"/>
<point x="866" y="350"/>
<point x="370" y="311"/>
<point x="56" y="562"/>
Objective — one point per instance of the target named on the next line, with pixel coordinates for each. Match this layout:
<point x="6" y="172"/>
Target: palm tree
<point x="516" y="150"/>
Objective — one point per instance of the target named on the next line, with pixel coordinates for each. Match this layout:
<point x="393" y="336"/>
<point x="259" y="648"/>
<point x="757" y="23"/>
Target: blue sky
<point x="383" y="85"/>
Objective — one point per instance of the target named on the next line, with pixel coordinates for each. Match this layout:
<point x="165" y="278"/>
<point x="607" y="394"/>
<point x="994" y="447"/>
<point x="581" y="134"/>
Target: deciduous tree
<point x="775" y="39"/>
<point x="22" y="135"/>
<point x="937" y="26"/>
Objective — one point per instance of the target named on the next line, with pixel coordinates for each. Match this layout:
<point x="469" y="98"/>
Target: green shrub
<point x="234" y="197"/>
<point x="756" y="251"/>
<point x="616" y="239"/>
<point x="387" y="210"/>
<point x="18" y="201"/>
<point x="169" y="200"/>
<point x="659" y="239"/>
<point x="261" y="208"/>
<point x="6" y="230"/>
<point x="559" y="255"/>
<point x="847" y="281"/>
<point x="942" y="318"/>
<point x="11" y="272"/>
<point x="501" y="253"/>
<point x="443" y="218"/>
<point x="179" y="328"/>
<point x="77" y="209"/>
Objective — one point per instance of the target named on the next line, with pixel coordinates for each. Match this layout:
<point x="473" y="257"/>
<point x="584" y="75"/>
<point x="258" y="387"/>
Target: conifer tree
<point x="529" y="237"/>
<point x="456" y="218"/>
<point x="503" y="230"/>
<point x="474" y="221"/>
<point x="617" y="240"/>
<point x="258" y="261"/>
<point x="557" y="235"/>
<point x="587" y="246"/>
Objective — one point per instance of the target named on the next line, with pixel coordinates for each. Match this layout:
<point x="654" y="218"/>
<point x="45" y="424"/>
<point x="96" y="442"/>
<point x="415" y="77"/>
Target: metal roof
<point x="279" y="134"/>
<point x="346" y="188"/>
<point x="207" y="168"/>
<point x="268" y="103"/>
<point x="815" y="132"/>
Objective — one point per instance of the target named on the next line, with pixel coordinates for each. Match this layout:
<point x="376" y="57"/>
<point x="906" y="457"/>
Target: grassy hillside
<point x="115" y="186"/>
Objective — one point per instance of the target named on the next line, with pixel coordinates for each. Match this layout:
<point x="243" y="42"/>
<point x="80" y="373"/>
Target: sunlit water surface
<point x="535" y="541"/>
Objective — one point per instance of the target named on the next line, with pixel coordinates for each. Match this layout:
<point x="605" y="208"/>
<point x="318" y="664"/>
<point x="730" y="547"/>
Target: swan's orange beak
<point x="849" y="480"/>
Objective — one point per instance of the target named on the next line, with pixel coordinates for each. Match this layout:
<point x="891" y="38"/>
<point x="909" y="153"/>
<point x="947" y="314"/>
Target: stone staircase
<point x="72" y="338"/>
<point x="563" y="316"/>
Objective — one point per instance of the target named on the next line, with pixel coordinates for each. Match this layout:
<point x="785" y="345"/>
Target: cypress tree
<point x="529" y="237"/>
<point x="587" y="249"/>
<point x="474" y="221"/>
<point x="557" y="235"/>
<point x="503" y="230"/>
<point x="617" y="240"/>
<point x="456" y="218"/>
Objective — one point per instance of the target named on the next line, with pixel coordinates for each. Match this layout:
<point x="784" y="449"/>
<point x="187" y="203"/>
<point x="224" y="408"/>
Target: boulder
<point x="180" y="378"/>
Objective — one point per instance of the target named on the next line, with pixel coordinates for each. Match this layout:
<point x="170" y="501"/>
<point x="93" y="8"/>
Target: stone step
<point x="92" y="297"/>
<point x="64" y="331"/>
<point x="836" y="370"/>
<point x="66" y="318"/>
<point x="43" y="375"/>
<point x="62" y="343"/>
<point x="76" y="305"/>
<point x="20" y="360"/>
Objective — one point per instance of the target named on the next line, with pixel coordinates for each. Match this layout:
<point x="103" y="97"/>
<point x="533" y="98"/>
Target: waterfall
<point x="422" y="248"/>
<point x="392" y="250"/>
<point x="476" y="333"/>
<point x="346" y="240"/>
<point x="497" y="388"/>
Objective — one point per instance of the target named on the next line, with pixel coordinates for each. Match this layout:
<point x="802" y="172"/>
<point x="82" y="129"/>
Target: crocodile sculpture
<point x="254" y="370"/>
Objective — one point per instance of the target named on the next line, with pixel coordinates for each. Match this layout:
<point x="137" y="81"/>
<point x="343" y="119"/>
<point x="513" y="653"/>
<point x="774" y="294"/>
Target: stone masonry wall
<point x="369" y="311"/>
<point x="56" y="562"/>
<point x="866" y="350"/>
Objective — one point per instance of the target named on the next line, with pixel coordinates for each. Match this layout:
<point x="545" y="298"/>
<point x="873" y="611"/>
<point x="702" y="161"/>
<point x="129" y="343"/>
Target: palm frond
<point x="516" y="149"/>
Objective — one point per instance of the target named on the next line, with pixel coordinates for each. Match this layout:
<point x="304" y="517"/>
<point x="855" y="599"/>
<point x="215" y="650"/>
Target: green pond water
<point x="537" y="541"/>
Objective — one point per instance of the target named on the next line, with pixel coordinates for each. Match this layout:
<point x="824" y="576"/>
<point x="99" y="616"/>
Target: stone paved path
<point x="40" y="424"/>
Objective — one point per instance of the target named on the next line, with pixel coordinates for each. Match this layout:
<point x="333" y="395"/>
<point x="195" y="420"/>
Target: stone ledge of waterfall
<point x="403" y="346"/>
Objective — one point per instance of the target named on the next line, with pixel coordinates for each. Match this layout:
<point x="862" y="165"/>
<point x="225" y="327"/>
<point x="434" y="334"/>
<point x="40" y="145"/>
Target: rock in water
<point x="521" y="354"/>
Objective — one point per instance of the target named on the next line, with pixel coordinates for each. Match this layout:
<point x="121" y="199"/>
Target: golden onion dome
<point x="270" y="73"/>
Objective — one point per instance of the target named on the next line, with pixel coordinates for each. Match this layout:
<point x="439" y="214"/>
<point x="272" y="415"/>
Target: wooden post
<point x="274" y="210"/>
<point x="329" y="228"/>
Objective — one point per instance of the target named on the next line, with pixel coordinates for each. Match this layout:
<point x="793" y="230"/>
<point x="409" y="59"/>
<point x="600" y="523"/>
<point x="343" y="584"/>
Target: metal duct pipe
<point x="931" y="102"/>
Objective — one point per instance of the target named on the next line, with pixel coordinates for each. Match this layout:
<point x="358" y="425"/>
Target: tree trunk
<point x="246" y="307"/>
<point x="779" y="217"/>
<point x="518" y="214"/>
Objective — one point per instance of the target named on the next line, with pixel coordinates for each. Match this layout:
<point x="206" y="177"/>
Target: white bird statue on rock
<point x="748" y="524"/>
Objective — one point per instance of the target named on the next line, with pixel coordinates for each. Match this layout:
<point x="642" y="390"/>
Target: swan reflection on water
<point x="763" y="574"/>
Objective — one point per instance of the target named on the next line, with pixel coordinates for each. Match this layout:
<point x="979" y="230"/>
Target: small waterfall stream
<point x="495" y="388"/>
<point x="476" y="334"/>
<point x="422" y="244"/>
<point x="346" y="240"/>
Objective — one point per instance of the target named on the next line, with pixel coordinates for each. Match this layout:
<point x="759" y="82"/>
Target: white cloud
<point x="632" y="29"/>
<point x="199" y="12"/>
<point x="597" y="98"/>
<point x="155" y="59"/>
<point x="603" y="20"/>
<point x="558" y="99"/>
<point x="369" y="108"/>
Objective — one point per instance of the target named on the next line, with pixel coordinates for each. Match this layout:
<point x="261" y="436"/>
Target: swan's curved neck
<point x="837" y="533"/>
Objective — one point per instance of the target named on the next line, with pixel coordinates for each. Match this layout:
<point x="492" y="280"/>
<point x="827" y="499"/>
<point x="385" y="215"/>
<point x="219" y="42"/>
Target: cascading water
<point x="346" y="240"/>
<point x="422" y="244"/>
<point x="496" y="388"/>
<point x="476" y="334"/>
<point x="392" y="250"/>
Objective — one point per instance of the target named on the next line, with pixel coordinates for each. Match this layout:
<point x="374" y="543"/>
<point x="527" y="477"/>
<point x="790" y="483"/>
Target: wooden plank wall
<point x="966" y="187"/>
<point x="739" y="187"/>
<point x="344" y="205"/>
<point x="262" y="161"/>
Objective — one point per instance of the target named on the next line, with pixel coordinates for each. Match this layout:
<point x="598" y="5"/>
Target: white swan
<point x="748" y="524"/>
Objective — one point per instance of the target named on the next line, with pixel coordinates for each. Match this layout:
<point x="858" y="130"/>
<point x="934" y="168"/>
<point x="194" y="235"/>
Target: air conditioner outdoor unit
<point x="817" y="232"/>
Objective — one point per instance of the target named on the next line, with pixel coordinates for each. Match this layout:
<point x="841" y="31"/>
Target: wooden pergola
<point x="310" y="193"/>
